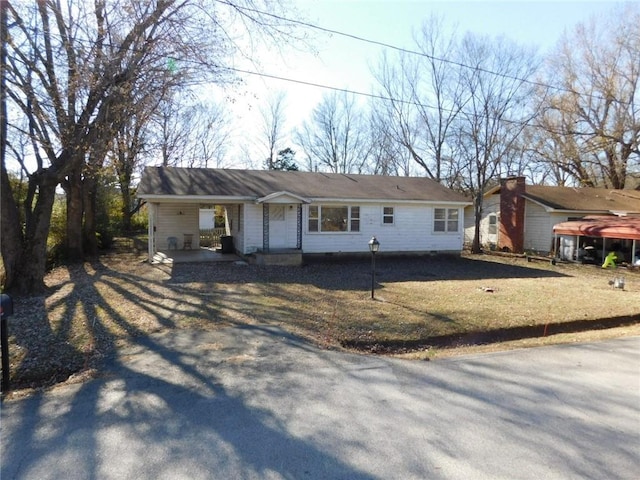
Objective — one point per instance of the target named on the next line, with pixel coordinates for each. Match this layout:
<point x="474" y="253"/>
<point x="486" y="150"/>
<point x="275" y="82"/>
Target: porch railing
<point x="210" y="237"/>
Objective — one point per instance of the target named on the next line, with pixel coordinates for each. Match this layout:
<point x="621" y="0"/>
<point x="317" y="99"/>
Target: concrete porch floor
<point x="201" y="255"/>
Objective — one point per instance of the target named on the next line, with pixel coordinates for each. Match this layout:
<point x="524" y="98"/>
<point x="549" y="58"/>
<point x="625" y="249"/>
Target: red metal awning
<point x="603" y="227"/>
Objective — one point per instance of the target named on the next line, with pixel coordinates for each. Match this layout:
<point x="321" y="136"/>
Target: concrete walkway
<point x="257" y="403"/>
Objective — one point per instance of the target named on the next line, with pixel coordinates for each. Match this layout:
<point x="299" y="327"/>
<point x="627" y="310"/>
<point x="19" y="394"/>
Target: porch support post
<point x="265" y="227"/>
<point x="152" y="230"/>
<point x="299" y="227"/>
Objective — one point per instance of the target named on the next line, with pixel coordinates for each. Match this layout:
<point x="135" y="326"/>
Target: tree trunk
<point x="477" y="211"/>
<point x="11" y="242"/>
<point x="75" y="210"/>
<point x="33" y="261"/>
<point x="126" y="207"/>
<point x="90" y="213"/>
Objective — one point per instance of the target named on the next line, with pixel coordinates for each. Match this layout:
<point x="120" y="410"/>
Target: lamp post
<point x="374" y="246"/>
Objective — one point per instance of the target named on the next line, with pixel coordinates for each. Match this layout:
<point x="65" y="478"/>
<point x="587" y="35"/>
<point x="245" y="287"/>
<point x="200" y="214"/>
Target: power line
<point x="411" y="52"/>
<point x="370" y="95"/>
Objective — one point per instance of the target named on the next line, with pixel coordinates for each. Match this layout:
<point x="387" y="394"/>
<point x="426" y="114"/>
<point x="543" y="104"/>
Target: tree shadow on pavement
<point x="158" y="411"/>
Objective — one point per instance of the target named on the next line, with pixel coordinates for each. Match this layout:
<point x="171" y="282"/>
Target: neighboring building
<point x="307" y="212"/>
<point x="519" y="217"/>
<point x="591" y="239"/>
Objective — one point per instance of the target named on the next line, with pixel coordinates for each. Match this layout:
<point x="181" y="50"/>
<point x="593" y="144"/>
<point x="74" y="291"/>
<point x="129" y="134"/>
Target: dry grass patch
<point x="93" y="309"/>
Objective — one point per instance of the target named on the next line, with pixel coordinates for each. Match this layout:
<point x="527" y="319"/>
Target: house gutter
<point x="387" y="201"/>
<point x="195" y="198"/>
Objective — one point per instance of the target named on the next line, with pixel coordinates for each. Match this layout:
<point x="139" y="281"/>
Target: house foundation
<point x="284" y="257"/>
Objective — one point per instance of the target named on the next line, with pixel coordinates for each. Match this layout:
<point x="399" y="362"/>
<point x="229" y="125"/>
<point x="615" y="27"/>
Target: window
<point x="276" y="213"/>
<point x="355" y="219"/>
<point x="324" y="218"/>
<point x="445" y="220"/>
<point x="387" y="215"/>
<point x="493" y="224"/>
<point x="313" y="218"/>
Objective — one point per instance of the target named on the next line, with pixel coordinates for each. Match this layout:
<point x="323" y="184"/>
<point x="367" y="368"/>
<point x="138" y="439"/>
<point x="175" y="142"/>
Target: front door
<point x="282" y="226"/>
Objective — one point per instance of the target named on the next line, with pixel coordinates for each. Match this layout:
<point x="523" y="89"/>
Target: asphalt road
<point x="256" y="403"/>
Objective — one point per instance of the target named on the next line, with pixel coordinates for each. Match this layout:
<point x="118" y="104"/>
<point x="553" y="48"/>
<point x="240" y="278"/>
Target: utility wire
<point x="408" y="51"/>
<point x="370" y="95"/>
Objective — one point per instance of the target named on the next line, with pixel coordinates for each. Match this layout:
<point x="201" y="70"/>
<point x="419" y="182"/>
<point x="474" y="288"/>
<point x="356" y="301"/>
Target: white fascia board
<point x="579" y="212"/>
<point x="276" y="195"/>
<point x="351" y="201"/>
<point x="194" y="198"/>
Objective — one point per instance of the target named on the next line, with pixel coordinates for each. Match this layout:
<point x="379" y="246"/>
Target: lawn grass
<point x="91" y="310"/>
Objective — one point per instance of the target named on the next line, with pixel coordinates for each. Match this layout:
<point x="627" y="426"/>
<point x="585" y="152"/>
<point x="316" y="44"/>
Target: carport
<point x="574" y="239"/>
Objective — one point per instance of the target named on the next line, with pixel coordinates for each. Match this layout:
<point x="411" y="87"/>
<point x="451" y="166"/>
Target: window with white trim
<point x="330" y="218"/>
<point x="493" y="224"/>
<point x="445" y="220"/>
<point x="387" y="216"/>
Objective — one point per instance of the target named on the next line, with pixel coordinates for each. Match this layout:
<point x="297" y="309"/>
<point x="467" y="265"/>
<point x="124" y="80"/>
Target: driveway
<point x="257" y="403"/>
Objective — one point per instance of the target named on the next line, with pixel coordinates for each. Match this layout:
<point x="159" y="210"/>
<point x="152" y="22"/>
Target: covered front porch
<point x="267" y="231"/>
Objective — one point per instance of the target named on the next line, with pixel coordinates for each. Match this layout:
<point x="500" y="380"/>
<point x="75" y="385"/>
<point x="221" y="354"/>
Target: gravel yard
<point x="422" y="304"/>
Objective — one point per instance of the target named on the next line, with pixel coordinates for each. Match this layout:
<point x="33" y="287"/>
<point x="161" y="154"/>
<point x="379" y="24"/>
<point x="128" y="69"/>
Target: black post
<point x="5" y="353"/>
<point x="373" y="273"/>
<point x="6" y="309"/>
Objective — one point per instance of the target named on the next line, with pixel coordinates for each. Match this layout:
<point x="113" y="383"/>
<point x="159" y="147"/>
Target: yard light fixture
<point x="374" y="246"/>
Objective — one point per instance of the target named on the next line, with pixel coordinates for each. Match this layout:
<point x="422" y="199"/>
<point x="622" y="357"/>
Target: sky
<point x="343" y="62"/>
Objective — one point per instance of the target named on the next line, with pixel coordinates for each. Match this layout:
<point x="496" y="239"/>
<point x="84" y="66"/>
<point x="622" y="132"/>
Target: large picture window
<point x="445" y="220"/>
<point x="329" y="218"/>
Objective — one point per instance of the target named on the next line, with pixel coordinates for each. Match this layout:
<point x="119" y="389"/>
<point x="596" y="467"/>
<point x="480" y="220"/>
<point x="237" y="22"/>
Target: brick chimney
<point x="511" y="237"/>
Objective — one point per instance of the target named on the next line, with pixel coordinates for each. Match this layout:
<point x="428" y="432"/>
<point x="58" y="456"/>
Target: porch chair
<point x="172" y="242"/>
<point x="188" y="239"/>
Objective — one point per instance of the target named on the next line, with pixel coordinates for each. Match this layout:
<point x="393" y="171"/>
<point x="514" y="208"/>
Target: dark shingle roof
<point x="166" y="181"/>
<point x="585" y="198"/>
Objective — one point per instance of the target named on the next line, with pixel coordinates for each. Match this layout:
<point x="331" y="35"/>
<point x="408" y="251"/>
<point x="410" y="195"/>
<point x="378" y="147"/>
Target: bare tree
<point x="76" y="72"/>
<point x="495" y="114"/>
<point x="334" y="138"/>
<point x="273" y="125"/>
<point x="424" y="95"/>
<point x="186" y="131"/>
<point x="125" y="156"/>
<point x="387" y="157"/>
<point x="591" y="126"/>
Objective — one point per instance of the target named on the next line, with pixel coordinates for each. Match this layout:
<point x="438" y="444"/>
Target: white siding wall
<point x="489" y="205"/>
<point x="174" y="220"/>
<point x="252" y="227"/>
<point x="469" y="226"/>
<point x="538" y="231"/>
<point x="538" y="227"/>
<point x="412" y="231"/>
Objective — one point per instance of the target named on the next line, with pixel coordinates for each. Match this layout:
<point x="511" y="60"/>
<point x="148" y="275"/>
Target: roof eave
<point x="194" y="198"/>
<point x="275" y="195"/>
<point x="387" y="201"/>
